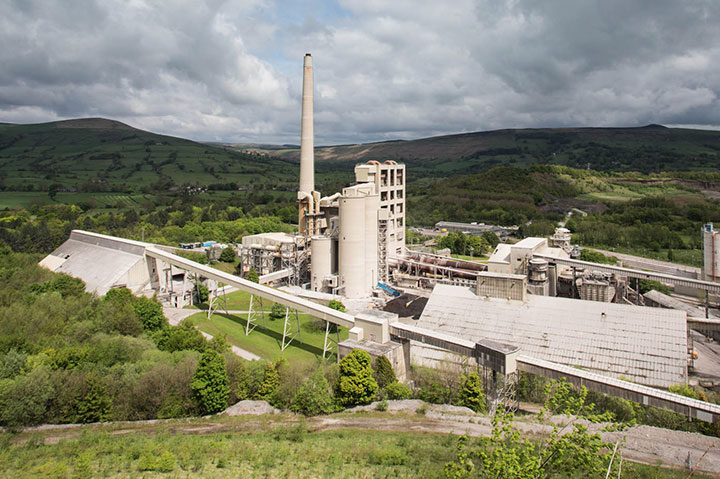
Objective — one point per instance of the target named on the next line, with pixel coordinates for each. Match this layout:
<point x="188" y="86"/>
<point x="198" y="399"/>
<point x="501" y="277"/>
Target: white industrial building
<point x="345" y="241"/>
<point x="643" y="345"/>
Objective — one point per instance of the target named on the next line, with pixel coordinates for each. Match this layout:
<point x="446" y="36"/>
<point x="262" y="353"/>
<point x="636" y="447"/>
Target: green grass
<point x="266" y="343"/>
<point x="243" y="447"/>
<point x="689" y="257"/>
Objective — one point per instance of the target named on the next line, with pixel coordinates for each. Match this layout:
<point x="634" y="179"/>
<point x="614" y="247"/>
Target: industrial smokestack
<point x="307" y="142"/>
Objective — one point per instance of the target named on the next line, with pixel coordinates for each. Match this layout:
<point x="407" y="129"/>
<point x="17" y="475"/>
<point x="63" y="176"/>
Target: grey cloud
<point x="231" y="70"/>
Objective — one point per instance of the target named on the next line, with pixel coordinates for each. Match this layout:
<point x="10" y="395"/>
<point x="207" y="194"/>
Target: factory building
<point x="345" y="241"/>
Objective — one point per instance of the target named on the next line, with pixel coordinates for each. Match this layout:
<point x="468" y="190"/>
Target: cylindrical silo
<point x="372" y="206"/>
<point x="351" y="246"/>
<point x="321" y="266"/>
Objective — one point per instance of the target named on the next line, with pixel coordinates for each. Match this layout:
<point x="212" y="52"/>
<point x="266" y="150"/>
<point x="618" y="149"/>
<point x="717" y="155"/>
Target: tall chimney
<point x="307" y="142"/>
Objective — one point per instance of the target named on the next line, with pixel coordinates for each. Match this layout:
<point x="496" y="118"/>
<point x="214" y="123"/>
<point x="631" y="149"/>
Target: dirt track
<point x="641" y="443"/>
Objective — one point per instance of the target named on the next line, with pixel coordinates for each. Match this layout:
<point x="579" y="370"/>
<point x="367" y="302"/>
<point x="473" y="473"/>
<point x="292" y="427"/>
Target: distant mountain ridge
<point x="647" y="148"/>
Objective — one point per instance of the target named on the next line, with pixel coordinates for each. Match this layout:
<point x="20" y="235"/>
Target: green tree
<point x="270" y="384"/>
<point x="95" y="405"/>
<point x="228" y="255"/>
<point x="471" y="393"/>
<point x="253" y="276"/>
<point x="384" y="373"/>
<point x="210" y="383"/>
<point x="150" y="313"/>
<point x="336" y="305"/>
<point x="277" y="311"/>
<point x="398" y="390"/>
<point x="314" y="396"/>
<point x="356" y="384"/>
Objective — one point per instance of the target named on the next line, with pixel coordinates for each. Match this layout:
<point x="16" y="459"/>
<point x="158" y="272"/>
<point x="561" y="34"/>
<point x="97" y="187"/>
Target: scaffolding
<point x="214" y="298"/>
<point x="275" y="255"/>
<point x="382" y="251"/>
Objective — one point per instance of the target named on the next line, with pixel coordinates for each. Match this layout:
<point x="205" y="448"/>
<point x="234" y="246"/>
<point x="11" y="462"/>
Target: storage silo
<point x="351" y="246"/>
<point x="322" y="261"/>
<point x="372" y="207"/>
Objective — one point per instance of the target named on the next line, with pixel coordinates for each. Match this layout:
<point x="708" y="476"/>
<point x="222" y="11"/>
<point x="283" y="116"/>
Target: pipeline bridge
<point x="501" y="358"/>
<point x="707" y="286"/>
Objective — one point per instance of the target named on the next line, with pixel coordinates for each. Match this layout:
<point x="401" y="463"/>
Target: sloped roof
<point x="644" y="345"/>
<point x="99" y="262"/>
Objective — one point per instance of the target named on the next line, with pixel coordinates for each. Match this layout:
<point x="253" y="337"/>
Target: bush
<point x="253" y="276"/>
<point x="471" y="393"/>
<point x="179" y="338"/>
<point x="356" y="384"/>
<point x="398" y="390"/>
<point x="277" y="311"/>
<point x="227" y="255"/>
<point x="336" y="305"/>
<point x="314" y="396"/>
<point x="210" y="383"/>
<point x="271" y="381"/>
<point x="384" y="373"/>
<point x="150" y="313"/>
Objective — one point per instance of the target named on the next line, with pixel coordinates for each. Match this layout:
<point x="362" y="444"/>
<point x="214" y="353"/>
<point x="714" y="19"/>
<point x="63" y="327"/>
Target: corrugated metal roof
<point x="99" y="267"/>
<point x="644" y="345"/>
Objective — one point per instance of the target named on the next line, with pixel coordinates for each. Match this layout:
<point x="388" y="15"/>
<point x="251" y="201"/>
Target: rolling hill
<point x="96" y="154"/>
<point x="647" y="149"/>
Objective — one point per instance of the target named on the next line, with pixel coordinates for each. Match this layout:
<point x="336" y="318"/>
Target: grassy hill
<point x="647" y="149"/>
<point x="96" y="154"/>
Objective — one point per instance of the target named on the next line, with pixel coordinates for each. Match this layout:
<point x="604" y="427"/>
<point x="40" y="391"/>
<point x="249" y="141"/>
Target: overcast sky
<point x="384" y="69"/>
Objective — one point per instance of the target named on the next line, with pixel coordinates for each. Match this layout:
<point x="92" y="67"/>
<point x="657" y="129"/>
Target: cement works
<point x="532" y="307"/>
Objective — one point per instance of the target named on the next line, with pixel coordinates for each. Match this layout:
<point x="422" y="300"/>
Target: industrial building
<point x="346" y="241"/>
<point x="352" y="242"/>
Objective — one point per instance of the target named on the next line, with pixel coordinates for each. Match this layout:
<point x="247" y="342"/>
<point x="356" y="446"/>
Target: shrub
<point x="336" y="305"/>
<point x="253" y="276"/>
<point x="471" y="393"/>
<point x="150" y="313"/>
<point x="227" y="255"/>
<point x="277" y="311"/>
<point x="397" y="390"/>
<point x="314" y="396"/>
<point x="384" y="373"/>
<point x="356" y="384"/>
<point x="381" y="406"/>
<point x="237" y="377"/>
<point x="271" y="381"/>
<point x="210" y="383"/>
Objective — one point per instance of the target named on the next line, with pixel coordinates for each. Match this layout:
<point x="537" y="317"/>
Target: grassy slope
<point x="75" y="152"/>
<point x="266" y="446"/>
<point x="651" y="148"/>
<point x="264" y="342"/>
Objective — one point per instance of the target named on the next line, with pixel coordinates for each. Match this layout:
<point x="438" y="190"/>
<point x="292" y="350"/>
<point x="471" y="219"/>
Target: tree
<point x="210" y="383"/>
<point x="150" y="313"/>
<point x="398" y="390"/>
<point x="277" y="311"/>
<point x="253" y="276"/>
<point x="355" y="383"/>
<point x="384" y="373"/>
<point x="95" y="405"/>
<point x="314" y="396"/>
<point x="471" y="393"/>
<point x="336" y="305"/>
<point x="271" y="381"/>
<point x="227" y="255"/>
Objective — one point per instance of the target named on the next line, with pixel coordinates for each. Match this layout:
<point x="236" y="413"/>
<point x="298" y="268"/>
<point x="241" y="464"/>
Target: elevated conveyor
<point x="710" y="287"/>
<point x="287" y="300"/>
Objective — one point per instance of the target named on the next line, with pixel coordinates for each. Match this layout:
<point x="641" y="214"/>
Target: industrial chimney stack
<point x="307" y="142"/>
